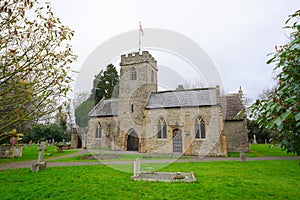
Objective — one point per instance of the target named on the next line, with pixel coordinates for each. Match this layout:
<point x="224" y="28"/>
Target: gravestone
<point x="40" y="164"/>
<point x="160" y="176"/>
<point x="243" y="156"/>
<point x="137" y="167"/>
<point x="254" y="140"/>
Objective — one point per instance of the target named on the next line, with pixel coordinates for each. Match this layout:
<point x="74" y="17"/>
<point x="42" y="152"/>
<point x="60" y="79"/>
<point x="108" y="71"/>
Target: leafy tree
<point x="35" y="63"/>
<point x="105" y="85"/>
<point x="262" y="134"/>
<point x="281" y="112"/>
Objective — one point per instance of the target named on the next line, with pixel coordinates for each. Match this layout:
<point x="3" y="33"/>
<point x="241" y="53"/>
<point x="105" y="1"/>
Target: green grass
<point x="31" y="153"/>
<point x="261" y="150"/>
<point x="123" y="157"/>
<point x="258" y="150"/>
<point x="80" y="159"/>
<point x="215" y="180"/>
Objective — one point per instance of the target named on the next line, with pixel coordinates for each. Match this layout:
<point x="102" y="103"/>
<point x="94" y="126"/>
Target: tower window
<point x="133" y="74"/>
<point x="132" y="107"/>
<point x="152" y="76"/>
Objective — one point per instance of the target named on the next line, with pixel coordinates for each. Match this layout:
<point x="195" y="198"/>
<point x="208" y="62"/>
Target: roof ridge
<point x="186" y="90"/>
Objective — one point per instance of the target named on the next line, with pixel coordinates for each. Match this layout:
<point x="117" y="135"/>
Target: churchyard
<point x="31" y="153"/>
<point x="38" y="66"/>
<point x="265" y="179"/>
<point x="215" y="180"/>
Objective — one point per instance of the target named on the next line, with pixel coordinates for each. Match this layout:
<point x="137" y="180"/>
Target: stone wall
<point x="183" y="119"/>
<point x="108" y="132"/>
<point x="236" y="135"/>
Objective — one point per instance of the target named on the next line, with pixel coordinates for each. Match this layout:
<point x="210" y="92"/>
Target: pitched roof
<point x="233" y="107"/>
<point x="183" y="98"/>
<point x="173" y="99"/>
<point x="105" y="108"/>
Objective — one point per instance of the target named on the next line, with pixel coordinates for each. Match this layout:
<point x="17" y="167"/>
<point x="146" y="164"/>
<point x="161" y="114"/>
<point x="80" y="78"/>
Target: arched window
<point x="161" y="128"/>
<point x="98" y="131"/>
<point x="133" y="74"/>
<point x="200" y="131"/>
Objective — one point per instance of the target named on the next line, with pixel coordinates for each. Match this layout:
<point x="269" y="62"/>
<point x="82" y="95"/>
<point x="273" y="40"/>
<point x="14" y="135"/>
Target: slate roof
<point x="173" y="99"/>
<point x="233" y="107"/>
<point x="105" y="108"/>
<point x="183" y="98"/>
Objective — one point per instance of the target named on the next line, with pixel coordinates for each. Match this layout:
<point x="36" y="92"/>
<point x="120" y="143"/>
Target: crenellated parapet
<point x="134" y="58"/>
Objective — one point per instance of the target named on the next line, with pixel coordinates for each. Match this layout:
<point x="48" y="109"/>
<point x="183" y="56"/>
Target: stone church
<point x="192" y="122"/>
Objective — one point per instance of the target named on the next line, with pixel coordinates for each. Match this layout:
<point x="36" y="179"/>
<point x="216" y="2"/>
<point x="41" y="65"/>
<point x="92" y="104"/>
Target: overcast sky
<point x="236" y="34"/>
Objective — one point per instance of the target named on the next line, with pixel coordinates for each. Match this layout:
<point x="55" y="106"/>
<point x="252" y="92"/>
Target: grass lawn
<point x="257" y="150"/>
<point x="122" y="157"/>
<point x="31" y="153"/>
<point x="260" y="150"/>
<point x="215" y="180"/>
<point x="79" y="158"/>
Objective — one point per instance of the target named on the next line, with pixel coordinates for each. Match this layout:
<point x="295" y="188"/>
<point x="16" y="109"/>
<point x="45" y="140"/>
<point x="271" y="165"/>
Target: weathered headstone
<point x="137" y="167"/>
<point x="243" y="156"/>
<point x="18" y="151"/>
<point x="40" y="164"/>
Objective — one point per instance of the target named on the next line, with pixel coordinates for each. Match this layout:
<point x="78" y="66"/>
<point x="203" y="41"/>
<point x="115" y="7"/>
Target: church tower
<point x="138" y="79"/>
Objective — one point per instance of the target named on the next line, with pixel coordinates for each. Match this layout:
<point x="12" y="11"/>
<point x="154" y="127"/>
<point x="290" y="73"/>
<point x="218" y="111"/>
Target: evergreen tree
<point x="105" y="85"/>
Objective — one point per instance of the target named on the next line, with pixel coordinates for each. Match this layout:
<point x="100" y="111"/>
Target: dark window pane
<point x="197" y="131"/>
<point x="203" y="134"/>
<point x="164" y="130"/>
<point x="159" y="130"/>
<point x="97" y="132"/>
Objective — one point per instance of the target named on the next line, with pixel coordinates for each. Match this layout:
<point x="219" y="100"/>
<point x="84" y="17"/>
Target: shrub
<point x="41" y="132"/>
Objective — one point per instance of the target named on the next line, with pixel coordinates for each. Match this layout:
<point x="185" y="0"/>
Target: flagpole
<point x="139" y="37"/>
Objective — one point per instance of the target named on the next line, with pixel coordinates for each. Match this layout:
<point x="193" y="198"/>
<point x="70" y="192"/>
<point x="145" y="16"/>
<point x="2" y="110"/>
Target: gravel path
<point x="28" y="164"/>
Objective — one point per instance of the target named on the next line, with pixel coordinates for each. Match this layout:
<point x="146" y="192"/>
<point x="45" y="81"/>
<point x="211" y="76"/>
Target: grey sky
<point x="236" y="34"/>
